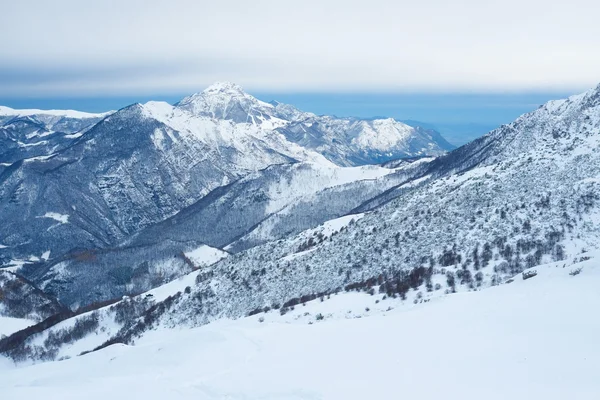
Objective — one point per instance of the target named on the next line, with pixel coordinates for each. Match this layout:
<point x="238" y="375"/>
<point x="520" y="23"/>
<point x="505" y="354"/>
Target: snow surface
<point x="14" y="265"/>
<point x="205" y="255"/>
<point x="307" y="182"/>
<point x="9" y="325"/>
<point x="39" y="158"/>
<point x="530" y="339"/>
<point x="75" y="135"/>
<point x="334" y="225"/>
<point x="62" y="218"/>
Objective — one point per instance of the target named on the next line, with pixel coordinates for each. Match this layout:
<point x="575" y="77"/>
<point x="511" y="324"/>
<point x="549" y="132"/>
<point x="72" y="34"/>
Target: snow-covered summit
<point x="226" y="100"/>
<point x="344" y="141"/>
<point x="224" y="87"/>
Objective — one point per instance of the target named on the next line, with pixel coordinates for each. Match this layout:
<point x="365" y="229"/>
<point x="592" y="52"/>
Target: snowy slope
<point x="475" y="276"/>
<point x="205" y="255"/>
<point x="9" y="325"/>
<point x="528" y="339"/>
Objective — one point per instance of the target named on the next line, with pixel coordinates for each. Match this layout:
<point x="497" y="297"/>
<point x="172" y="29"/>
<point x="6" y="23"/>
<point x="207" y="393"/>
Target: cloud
<point x="66" y="47"/>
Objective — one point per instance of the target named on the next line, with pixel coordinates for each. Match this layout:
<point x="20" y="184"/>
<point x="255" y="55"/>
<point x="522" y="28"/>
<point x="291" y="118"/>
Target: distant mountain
<point x="456" y="133"/>
<point x="61" y="120"/>
<point x="135" y="167"/>
<point x="25" y="134"/>
<point x="344" y="141"/>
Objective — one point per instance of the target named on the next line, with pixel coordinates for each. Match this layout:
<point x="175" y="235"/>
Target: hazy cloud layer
<point x="66" y="47"/>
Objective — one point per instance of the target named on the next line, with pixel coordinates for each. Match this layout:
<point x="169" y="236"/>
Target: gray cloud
<point x="133" y="46"/>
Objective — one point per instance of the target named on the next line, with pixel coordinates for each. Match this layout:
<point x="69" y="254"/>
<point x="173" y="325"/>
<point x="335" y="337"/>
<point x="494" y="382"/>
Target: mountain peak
<point x="220" y="87"/>
<point x="594" y="92"/>
<point x="225" y="100"/>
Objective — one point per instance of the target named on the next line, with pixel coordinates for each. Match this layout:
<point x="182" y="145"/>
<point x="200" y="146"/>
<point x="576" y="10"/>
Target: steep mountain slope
<point x="266" y="205"/>
<point x="19" y="298"/>
<point x="536" y="336"/>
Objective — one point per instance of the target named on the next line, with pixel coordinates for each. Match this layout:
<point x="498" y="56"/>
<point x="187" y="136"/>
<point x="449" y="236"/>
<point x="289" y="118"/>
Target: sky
<point x="366" y="53"/>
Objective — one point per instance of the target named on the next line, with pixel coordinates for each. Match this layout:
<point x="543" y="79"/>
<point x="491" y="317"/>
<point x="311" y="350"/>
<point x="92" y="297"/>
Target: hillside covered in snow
<point x="471" y="268"/>
<point x="527" y="339"/>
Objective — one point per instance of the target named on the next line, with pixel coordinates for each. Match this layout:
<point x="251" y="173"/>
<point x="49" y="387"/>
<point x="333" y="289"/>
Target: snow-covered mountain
<point x="344" y="141"/>
<point x="134" y="168"/>
<point x="36" y="133"/>
<point x="484" y="215"/>
<point x="68" y="121"/>
<point x="535" y="336"/>
<point x="130" y="169"/>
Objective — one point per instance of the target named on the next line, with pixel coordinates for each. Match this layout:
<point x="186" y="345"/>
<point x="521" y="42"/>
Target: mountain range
<point x="268" y="240"/>
<point x="219" y="157"/>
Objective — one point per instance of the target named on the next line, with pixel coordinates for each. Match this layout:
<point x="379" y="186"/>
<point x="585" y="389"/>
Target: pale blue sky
<point x="462" y="62"/>
<point x="145" y="47"/>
